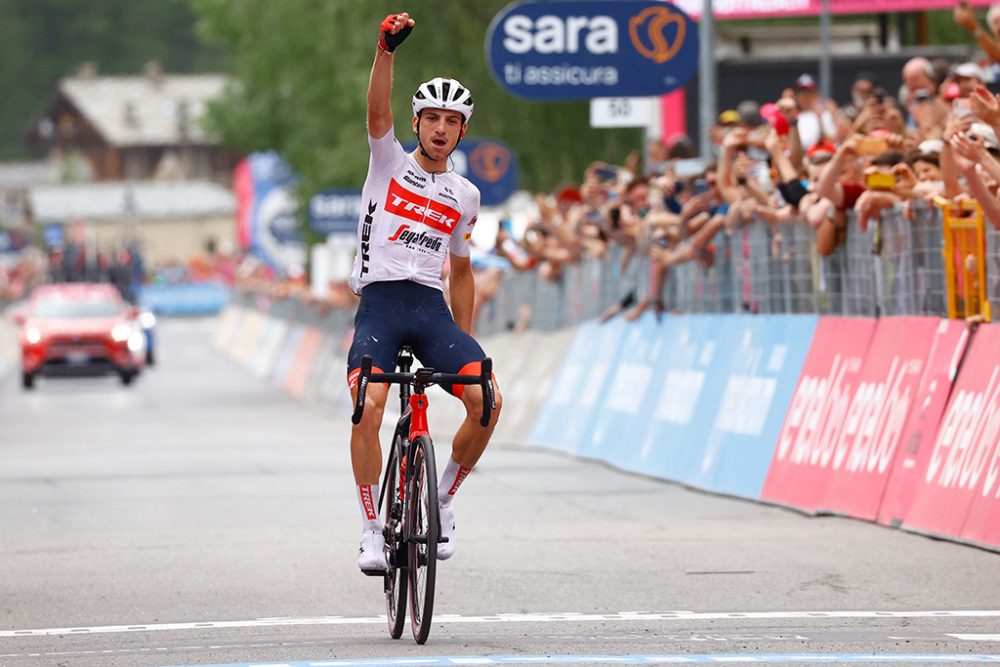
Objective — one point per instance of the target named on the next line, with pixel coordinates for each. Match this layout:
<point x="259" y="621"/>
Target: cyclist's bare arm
<point x="380" y="83"/>
<point x="463" y="292"/>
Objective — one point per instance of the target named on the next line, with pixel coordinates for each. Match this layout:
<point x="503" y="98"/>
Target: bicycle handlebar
<point x="424" y="378"/>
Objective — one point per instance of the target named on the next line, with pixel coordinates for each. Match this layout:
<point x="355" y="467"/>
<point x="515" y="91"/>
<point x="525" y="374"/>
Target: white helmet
<point x="443" y="93"/>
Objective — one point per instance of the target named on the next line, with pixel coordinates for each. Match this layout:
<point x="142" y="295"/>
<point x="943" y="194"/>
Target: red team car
<point x="79" y="329"/>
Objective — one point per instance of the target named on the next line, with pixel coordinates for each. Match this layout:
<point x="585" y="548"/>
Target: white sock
<point x="452" y="478"/>
<point x="368" y="502"/>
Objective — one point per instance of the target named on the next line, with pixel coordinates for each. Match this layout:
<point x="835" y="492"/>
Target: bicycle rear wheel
<point x="392" y="515"/>
<point x="422" y="530"/>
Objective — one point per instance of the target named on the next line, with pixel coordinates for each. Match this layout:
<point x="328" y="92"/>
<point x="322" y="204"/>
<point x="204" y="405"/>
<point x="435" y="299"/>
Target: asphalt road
<point x="202" y="517"/>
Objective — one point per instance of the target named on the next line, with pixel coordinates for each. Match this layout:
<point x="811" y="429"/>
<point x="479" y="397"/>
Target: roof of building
<point x="139" y="200"/>
<point x="157" y="109"/>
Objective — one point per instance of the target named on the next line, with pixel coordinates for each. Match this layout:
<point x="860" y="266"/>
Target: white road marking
<point x="757" y="658"/>
<point x="563" y="617"/>
<point x="976" y="638"/>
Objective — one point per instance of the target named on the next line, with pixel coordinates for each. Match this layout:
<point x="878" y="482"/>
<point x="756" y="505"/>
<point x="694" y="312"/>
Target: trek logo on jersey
<point x="418" y="208"/>
<point x="412" y="239"/>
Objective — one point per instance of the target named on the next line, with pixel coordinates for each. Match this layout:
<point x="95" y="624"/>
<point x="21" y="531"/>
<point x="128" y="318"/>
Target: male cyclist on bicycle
<point x="416" y="213"/>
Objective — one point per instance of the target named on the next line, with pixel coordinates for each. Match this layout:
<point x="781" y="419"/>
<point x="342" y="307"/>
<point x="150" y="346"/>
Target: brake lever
<point x="359" y="402"/>
<point x="489" y="398"/>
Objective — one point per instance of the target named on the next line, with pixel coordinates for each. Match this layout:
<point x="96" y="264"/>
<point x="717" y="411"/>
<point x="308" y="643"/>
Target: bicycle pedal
<point x="373" y="573"/>
<point x="442" y="539"/>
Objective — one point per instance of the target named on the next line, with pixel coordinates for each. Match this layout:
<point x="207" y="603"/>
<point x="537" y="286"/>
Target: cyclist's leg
<point x="442" y="345"/>
<point x="375" y="335"/>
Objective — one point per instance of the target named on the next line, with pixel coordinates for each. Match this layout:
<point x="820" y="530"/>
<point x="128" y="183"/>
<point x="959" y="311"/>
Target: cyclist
<point x="416" y="213"/>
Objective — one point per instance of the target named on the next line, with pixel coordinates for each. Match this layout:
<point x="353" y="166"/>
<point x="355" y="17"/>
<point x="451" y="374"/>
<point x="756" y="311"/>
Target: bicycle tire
<point x="422" y="530"/>
<point x="392" y="514"/>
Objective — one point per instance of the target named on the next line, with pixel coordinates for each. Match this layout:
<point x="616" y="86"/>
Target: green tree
<point x="44" y="40"/>
<point x="302" y="66"/>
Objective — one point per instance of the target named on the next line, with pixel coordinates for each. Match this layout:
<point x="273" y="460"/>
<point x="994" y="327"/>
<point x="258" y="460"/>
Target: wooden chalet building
<point x="136" y="127"/>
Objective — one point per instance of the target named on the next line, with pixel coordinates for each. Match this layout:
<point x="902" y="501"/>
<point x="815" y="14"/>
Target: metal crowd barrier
<point x="895" y="267"/>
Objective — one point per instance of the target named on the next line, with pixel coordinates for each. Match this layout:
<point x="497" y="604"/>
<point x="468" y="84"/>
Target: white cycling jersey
<point x="410" y="218"/>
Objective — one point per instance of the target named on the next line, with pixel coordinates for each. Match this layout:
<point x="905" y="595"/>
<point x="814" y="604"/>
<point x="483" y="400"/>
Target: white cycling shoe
<point x="446" y="513"/>
<point x="371" y="556"/>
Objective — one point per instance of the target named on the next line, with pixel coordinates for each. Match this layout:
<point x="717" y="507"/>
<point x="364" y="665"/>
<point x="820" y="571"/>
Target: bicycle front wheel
<point x="392" y="515"/>
<point x="422" y="530"/>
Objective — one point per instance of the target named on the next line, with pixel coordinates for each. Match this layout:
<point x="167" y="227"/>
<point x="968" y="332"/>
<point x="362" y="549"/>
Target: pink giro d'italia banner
<point x="929" y="403"/>
<point x="748" y="9"/>
<point x="800" y="467"/>
<point x="959" y="493"/>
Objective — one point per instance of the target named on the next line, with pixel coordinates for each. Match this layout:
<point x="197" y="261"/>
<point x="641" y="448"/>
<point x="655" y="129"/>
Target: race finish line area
<point x="562" y="617"/>
<point x="704" y="659"/>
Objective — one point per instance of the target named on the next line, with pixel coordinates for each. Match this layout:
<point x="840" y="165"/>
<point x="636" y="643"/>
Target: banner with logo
<point x="917" y="441"/>
<point x="623" y="416"/>
<point x="579" y="389"/>
<point x="752" y="9"/>
<point x="758" y="377"/>
<point x="683" y="405"/>
<point x="335" y="211"/>
<point x="265" y="211"/>
<point x="604" y="48"/>
<point x="865" y="443"/>
<point x="960" y="490"/>
<point x="489" y="164"/>
<point x="819" y="407"/>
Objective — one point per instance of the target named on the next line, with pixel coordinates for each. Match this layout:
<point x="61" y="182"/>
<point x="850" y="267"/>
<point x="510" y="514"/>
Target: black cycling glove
<point x="388" y="41"/>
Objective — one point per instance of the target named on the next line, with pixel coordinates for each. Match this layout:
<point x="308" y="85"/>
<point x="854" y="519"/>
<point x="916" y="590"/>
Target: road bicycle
<point x="408" y="497"/>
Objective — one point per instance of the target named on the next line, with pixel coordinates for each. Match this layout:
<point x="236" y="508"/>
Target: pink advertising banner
<point x="751" y="9"/>
<point x="960" y="494"/>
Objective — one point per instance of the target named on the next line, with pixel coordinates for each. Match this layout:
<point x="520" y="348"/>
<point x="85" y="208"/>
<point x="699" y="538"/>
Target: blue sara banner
<point x="488" y="163"/>
<point x="697" y="399"/>
<point x="578" y="50"/>
<point x="335" y="211"/>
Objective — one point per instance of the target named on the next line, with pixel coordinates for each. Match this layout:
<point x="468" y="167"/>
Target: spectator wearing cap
<point x="727" y="120"/>
<point x="814" y="121"/>
<point x="967" y="76"/>
<point x="988" y="41"/>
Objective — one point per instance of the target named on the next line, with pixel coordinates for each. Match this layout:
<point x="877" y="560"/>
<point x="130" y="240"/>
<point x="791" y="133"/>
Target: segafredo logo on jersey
<point x="418" y="208"/>
<point x="413" y="239"/>
<point x="576" y="50"/>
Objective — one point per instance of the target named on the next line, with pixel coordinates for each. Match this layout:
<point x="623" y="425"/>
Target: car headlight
<point x="121" y="332"/>
<point x="33" y="335"/>
<point x="147" y="320"/>
<point x="136" y="341"/>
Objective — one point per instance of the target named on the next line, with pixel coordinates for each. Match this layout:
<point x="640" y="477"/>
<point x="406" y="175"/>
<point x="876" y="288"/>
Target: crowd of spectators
<point x="799" y="159"/>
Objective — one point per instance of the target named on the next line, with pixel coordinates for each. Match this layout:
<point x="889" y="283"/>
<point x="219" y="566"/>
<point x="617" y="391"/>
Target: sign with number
<point x="580" y="50"/>
<point x="621" y="111"/>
